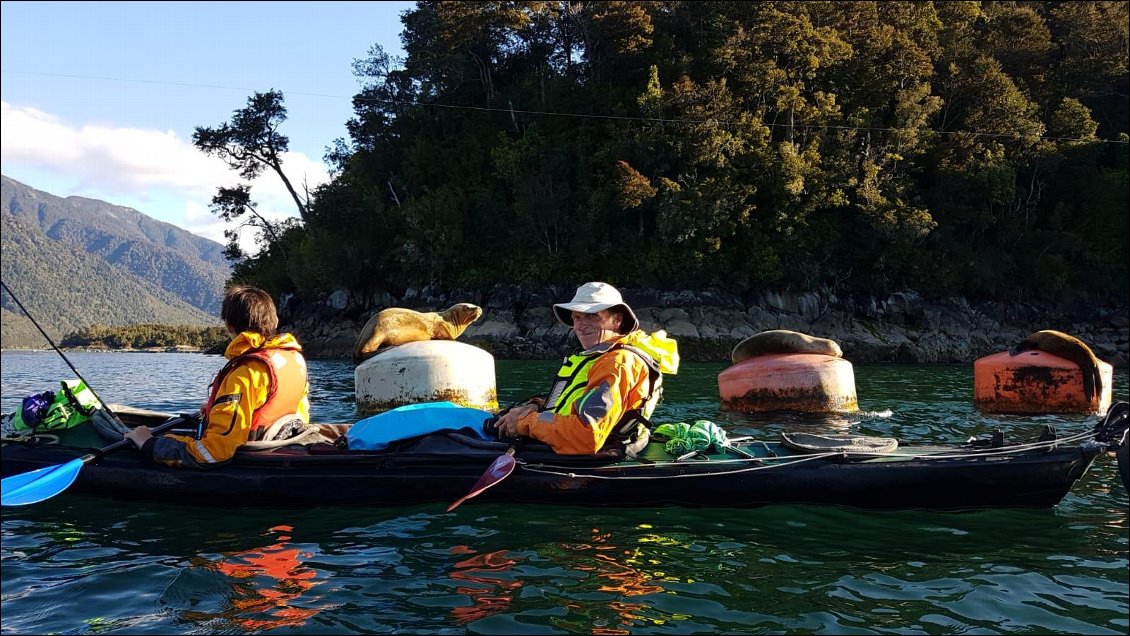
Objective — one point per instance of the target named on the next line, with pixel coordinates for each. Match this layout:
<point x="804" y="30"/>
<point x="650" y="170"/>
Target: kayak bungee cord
<point x="766" y="463"/>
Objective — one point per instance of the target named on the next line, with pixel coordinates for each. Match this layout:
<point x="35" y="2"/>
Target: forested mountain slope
<point x="75" y="262"/>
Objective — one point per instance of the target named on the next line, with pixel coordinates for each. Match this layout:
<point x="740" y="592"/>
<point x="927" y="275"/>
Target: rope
<point x="766" y="463"/>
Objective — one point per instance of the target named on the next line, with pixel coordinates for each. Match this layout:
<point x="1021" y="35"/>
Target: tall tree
<point x="250" y="143"/>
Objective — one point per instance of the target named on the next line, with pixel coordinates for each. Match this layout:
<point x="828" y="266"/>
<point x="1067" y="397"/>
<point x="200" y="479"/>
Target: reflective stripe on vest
<point x="287" y="371"/>
<point x="573" y="376"/>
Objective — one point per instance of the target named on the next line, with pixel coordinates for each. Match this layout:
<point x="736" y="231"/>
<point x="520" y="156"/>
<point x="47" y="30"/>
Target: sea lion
<point x="1070" y="348"/>
<point x="783" y="341"/>
<point x="397" y="325"/>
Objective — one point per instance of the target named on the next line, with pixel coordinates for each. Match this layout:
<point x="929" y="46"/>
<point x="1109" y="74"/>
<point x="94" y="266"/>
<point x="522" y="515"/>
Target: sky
<point x="100" y="99"/>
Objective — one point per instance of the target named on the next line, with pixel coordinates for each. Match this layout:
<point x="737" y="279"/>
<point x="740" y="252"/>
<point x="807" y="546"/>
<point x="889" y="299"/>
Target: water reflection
<point x="267" y="586"/>
<point x="623" y="571"/>
<point x="487" y="579"/>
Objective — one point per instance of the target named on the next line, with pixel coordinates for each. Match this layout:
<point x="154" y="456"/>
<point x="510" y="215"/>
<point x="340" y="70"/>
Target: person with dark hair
<point x="603" y="394"/>
<point x="263" y="386"/>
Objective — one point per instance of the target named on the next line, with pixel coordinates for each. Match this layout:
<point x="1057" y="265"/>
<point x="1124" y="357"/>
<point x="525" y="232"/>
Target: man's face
<point x="593" y="329"/>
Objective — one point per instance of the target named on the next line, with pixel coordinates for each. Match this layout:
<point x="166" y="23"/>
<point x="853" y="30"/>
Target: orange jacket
<point x="265" y="380"/>
<point x="618" y="382"/>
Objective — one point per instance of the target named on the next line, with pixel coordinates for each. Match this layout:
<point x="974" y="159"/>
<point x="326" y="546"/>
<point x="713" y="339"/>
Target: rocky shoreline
<point x="902" y="327"/>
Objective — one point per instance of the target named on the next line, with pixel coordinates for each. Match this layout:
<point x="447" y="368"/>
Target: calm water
<point x="78" y="565"/>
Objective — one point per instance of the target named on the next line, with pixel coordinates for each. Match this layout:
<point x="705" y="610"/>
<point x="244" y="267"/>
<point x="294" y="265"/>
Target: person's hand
<point x="507" y="425"/>
<point x="139" y="436"/>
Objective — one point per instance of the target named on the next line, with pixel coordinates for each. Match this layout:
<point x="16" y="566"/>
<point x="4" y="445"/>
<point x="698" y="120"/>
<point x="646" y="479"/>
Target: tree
<point x="232" y="203"/>
<point x="250" y="144"/>
<point x="952" y="147"/>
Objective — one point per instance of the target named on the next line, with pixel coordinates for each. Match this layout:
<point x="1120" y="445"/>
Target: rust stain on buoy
<point x="1035" y="382"/>
<point x="808" y="400"/>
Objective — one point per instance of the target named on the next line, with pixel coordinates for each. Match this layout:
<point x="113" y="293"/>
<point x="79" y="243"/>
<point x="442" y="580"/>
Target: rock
<point x="900" y="327"/>
<point x="339" y="299"/>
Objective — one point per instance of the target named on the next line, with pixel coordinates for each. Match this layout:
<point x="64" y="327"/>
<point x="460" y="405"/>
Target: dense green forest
<point x="955" y="148"/>
<point x="147" y="336"/>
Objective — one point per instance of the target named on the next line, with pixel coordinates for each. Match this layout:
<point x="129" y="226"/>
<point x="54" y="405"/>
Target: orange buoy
<point x="1035" y="382"/>
<point x="809" y="382"/>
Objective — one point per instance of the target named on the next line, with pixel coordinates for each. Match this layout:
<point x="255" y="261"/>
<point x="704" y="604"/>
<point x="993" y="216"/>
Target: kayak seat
<point x="849" y="444"/>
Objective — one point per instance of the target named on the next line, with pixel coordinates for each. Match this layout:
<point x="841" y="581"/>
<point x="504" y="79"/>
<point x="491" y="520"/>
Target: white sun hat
<point x="592" y="298"/>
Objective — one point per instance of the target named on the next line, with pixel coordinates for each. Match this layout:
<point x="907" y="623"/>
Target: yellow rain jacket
<point x="616" y="381"/>
<point x="264" y="380"/>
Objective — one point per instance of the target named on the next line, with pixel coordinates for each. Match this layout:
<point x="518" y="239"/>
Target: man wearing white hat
<point x="602" y="394"/>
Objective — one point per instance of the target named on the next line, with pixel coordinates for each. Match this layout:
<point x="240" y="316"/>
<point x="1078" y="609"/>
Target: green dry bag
<point x="72" y="405"/>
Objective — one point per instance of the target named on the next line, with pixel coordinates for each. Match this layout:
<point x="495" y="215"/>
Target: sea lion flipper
<point x="365" y="347"/>
<point x="1089" y="384"/>
<point x="741" y="351"/>
<point x="1092" y="382"/>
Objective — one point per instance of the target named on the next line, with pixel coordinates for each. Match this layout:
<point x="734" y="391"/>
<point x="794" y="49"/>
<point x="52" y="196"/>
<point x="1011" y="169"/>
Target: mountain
<point x="76" y="262"/>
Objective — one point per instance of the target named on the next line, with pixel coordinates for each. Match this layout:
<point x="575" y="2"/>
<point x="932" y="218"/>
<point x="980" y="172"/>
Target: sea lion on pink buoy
<point x="397" y="326"/>
<point x="1069" y="348"/>
<point x="783" y="341"/>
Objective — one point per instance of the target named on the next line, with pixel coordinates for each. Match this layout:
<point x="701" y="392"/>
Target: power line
<point x="545" y="113"/>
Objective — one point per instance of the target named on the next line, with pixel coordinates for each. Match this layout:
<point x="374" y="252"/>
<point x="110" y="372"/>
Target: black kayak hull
<point x="302" y="476"/>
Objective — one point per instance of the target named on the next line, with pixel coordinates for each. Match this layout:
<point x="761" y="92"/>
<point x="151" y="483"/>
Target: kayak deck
<point x="442" y="467"/>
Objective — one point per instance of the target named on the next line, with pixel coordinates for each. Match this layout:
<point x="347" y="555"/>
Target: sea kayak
<point x="440" y="467"/>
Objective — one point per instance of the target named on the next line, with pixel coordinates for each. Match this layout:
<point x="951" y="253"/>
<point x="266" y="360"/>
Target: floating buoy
<point x="1036" y="382"/>
<point x="428" y="371"/>
<point x="808" y="382"/>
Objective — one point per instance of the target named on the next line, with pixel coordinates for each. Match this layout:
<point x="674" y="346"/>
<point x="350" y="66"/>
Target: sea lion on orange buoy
<point x="783" y="341"/>
<point x="1069" y="348"/>
<point x="397" y="326"/>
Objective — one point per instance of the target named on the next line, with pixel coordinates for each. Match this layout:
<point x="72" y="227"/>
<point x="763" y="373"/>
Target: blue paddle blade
<point x="34" y="487"/>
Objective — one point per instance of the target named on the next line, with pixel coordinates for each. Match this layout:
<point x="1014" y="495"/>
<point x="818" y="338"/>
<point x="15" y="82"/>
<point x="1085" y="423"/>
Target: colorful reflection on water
<point x="487" y="580"/>
<point x="268" y="586"/>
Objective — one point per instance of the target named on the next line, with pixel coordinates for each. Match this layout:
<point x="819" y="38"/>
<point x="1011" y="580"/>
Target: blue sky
<point x="100" y="99"/>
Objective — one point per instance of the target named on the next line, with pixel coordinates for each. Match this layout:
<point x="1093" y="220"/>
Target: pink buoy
<point x="808" y="382"/>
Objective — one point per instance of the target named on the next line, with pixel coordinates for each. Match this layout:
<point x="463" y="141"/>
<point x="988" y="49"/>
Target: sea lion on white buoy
<point x="783" y="341"/>
<point x="397" y="326"/>
<point x="1069" y="348"/>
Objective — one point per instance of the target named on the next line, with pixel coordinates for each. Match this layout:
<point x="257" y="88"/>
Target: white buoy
<point x="431" y="371"/>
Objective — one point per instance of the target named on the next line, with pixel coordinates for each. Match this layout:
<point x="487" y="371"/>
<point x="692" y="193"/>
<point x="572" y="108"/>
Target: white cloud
<point x="197" y="214"/>
<point x="157" y="172"/>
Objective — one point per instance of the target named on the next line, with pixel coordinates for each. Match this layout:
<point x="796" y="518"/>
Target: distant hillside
<point x="77" y="262"/>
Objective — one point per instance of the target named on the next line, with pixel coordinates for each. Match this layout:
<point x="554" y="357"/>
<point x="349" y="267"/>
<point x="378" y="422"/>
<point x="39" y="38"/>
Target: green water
<point x="82" y="565"/>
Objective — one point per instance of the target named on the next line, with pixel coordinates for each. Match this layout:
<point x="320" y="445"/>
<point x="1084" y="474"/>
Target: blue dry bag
<point x="378" y="431"/>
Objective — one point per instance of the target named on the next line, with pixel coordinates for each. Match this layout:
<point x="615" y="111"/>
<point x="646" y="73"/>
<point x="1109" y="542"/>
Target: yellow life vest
<point x="658" y="352"/>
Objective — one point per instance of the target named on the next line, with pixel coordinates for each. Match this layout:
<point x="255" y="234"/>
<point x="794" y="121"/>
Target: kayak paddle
<point x="498" y="470"/>
<point x="45" y="483"/>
